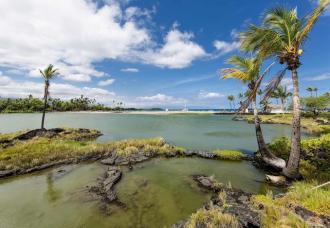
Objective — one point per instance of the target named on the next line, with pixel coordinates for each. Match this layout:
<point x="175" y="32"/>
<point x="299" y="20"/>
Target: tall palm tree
<point x="231" y="98"/>
<point x="310" y="89"/>
<point x="315" y="90"/>
<point x="282" y="35"/>
<point x="48" y="74"/>
<point x="248" y="71"/>
<point x="282" y="94"/>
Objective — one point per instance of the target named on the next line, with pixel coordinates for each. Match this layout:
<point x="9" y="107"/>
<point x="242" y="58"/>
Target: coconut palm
<point x="315" y="90"/>
<point x="231" y="99"/>
<point x="310" y="89"/>
<point x="282" y="94"/>
<point x="248" y="71"/>
<point x="282" y="35"/>
<point x="48" y="74"/>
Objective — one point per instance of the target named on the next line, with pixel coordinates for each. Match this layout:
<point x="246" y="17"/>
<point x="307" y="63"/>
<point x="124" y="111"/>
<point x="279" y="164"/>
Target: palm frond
<point x="235" y="73"/>
<point x="311" y="19"/>
<point x="263" y="41"/>
<point x="273" y="84"/>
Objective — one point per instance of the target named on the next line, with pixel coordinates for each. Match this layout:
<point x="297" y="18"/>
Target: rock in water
<point x="276" y="180"/>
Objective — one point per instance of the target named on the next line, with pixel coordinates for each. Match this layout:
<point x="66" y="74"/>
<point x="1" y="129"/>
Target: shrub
<point x="315" y="155"/>
<point x="280" y="147"/>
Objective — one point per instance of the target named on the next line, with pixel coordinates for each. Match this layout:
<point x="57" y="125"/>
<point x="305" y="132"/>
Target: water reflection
<point x="52" y="194"/>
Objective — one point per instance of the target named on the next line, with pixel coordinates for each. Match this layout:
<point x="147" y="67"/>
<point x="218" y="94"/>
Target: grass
<point x="212" y="218"/>
<point x="40" y="150"/>
<point x="310" y="124"/>
<point x="232" y="155"/>
<point x="278" y="212"/>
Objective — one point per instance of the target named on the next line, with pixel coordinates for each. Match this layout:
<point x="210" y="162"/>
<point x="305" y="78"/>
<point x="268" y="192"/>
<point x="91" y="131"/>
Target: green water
<point x="190" y="131"/>
<point x="156" y="194"/>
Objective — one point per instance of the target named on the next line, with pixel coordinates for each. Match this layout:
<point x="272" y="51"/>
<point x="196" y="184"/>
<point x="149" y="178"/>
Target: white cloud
<point x="130" y="70"/>
<point x="161" y="99"/>
<point x="4" y="80"/>
<point x="12" y="88"/>
<point x="178" y="51"/>
<point x="74" y="34"/>
<point x="106" y="82"/>
<point x="321" y="77"/>
<point x="224" y="47"/>
<point x="209" y="95"/>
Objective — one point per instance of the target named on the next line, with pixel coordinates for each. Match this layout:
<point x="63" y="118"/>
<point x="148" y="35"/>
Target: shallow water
<point x="205" y="132"/>
<point x="156" y="194"/>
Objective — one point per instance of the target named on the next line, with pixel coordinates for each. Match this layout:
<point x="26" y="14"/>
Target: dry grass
<point x="39" y="151"/>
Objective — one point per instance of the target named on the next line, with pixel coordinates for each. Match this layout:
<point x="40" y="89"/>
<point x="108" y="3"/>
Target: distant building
<point x="276" y="109"/>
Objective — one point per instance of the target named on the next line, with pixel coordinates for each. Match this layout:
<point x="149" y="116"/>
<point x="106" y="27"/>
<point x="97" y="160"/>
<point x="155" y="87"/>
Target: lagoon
<point x="192" y="131"/>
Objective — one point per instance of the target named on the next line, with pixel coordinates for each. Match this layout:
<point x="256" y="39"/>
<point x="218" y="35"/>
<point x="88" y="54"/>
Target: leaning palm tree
<point x="48" y="74"/>
<point x="248" y="71"/>
<point x="282" y="35"/>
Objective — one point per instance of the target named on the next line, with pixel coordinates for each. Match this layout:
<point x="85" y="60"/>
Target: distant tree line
<point x="32" y="104"/>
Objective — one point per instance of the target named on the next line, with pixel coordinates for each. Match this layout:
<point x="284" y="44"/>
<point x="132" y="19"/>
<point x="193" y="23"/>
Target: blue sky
<point x="164" y="53"/>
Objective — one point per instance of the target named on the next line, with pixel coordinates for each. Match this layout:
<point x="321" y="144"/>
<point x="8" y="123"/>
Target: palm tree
<point x="310" y="89"/>
<point x="231" y="98"/>
<point x="282" y="35"/>
<point x="315" y="90"/>
<point x="282" y="93"/>
<point x="248" y="71"/>
<point x="48" y="74"/>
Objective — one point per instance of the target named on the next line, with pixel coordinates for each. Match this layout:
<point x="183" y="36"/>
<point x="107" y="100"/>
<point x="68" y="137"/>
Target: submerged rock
<point x="105" y="188"/>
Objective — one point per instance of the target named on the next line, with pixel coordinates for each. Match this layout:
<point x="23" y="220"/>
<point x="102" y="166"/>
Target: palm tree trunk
<point x="268" y="157"/>
<point x="292" y="168"/>
<point x="282" y="105"/>
<point x="45" y="106"/>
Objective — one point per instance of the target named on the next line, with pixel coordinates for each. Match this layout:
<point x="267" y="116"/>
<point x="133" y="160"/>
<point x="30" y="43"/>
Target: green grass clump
<point x="278" y="212"/>
<point x="212" y="218"/>
<point x="232" y="155"/>
<point x="310" y="124"/>
<point x="316" y="200"/>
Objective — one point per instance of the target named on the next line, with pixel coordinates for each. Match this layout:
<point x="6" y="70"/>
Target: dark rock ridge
<point x="79" y="134"/>
<point x="105" y="189"/>
<point x="238" y="200"/>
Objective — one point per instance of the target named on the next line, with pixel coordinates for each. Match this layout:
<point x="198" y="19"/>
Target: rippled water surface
<point x="190" y="131"/>
<point x="155" y="194"/>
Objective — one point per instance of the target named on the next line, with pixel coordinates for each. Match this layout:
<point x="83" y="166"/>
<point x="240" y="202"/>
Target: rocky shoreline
<point x="239" y="204"/>
<point x="111" y="158"/>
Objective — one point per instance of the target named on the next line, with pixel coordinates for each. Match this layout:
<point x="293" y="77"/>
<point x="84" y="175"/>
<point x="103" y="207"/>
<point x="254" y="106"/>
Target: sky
<point x="160" y="53"/>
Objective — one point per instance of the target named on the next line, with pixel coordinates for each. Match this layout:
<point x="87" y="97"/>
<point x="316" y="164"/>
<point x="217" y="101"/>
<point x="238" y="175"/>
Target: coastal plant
<point x="48" y="74"/>
<point x="280" y="210"/>
<point x="232" y="155"/>
<point x="315" y="155"/>
<point x="248" y="70"/>
<point x="282" y="35"/>
<point x="211" y="218"/>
